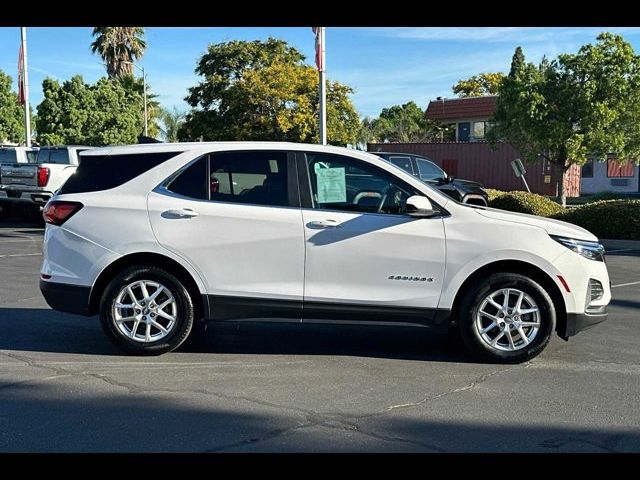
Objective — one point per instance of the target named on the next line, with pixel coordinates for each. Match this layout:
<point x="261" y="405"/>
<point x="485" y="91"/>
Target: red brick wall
<point x="477" y="161"/>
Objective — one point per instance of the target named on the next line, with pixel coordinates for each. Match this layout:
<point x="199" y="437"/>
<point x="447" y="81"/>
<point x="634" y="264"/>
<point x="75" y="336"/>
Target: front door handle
<point x="318" y="224"/>
<point x="180" y="213"/>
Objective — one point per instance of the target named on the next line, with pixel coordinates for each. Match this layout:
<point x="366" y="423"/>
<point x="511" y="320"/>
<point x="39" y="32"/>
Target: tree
<point x="578" y="105"/>
<point x="119" y="47"/>
<point x="264" y="91"/>
<point x="78" y="113"/>
<point x="479" y="85"/>
<point x="402" y="123"/>
<point x="154" y="110"/>
<point x="11" y="113"/>
<point x="366" y="133"/>
<point x="172" y="120"/>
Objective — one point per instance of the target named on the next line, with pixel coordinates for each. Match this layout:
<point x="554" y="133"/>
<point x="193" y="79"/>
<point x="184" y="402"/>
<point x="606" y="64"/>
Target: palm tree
<point x="172" y="121"/>
<point x="119" y="47"/>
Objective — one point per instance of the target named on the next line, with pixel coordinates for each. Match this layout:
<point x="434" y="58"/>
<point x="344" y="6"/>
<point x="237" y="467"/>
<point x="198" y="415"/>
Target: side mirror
<point x="418" y="206"/>
<point x="450" y="178"/>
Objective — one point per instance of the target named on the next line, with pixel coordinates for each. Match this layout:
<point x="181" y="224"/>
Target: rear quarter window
<point x="103" y="172"/>
<point x="8" y="156"/>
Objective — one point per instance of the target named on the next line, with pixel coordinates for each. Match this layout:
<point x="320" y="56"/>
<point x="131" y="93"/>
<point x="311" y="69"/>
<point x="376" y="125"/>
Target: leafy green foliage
<point x="264" y="91"/>
<point x="400" y="123"/>
<point x="479" y="85"/>
<point x="11" y="113"/>
<point x="578" y="104"/>
<point x="524" y="202"/>
<point x="119" y="47"/>
<point x="74" y="112"/>
<point x="493" y="193"/>
<point x="612" y="219"/>
<point x="172" y="120"/>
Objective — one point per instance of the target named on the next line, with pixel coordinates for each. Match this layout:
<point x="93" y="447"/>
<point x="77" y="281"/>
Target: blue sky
<point x="385" y="65"/>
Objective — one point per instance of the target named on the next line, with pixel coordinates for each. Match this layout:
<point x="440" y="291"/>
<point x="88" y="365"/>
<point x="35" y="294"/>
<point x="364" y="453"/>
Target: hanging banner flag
<point x="21" y="95"/>
<point x="319" y="65"/>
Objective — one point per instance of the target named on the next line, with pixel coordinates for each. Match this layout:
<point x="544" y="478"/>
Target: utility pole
<point x="25" y="80"/>
<point x="144" y="90"/>
<point x="146" y="116"/>
<point x="323" y="89"/>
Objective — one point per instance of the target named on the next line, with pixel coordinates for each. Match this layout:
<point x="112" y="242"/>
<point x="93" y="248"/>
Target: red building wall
<point x="478" y="161"/>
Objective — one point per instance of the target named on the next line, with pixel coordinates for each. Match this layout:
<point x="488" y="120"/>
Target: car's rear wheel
<point x="146" y="311"/>
<point x="506" y="318"/>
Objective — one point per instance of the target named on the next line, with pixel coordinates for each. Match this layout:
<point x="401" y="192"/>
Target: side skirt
<point x="249" y="309"/>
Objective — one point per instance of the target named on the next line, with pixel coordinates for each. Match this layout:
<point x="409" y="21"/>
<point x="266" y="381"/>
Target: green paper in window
<point x="332" y="187"/>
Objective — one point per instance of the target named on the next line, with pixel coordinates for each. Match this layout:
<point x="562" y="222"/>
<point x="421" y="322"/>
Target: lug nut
<point x="153" y="315"/>
<point x="142" y="303"/>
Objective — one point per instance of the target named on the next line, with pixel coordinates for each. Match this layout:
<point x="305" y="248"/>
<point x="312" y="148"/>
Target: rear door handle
<point x="317" y="224"/>
<point x="180" y="213"/>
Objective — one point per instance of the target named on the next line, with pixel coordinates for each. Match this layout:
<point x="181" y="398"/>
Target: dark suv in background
<point x="464" y="191"/>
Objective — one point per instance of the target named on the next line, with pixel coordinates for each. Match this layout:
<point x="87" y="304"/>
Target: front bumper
<point x="577" y="322"/>
<point x="66" y="297"/>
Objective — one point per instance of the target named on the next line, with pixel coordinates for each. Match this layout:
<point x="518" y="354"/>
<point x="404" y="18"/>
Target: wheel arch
<point x="151" y="259"/>
<point x="528" y="269"/>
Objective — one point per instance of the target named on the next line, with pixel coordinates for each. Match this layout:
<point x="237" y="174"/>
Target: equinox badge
<point x="410" y="278"/>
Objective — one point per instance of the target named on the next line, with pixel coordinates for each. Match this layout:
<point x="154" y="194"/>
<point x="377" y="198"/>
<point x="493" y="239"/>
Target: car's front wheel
<point x="146" y="311"/>
<point x="507" y="318"/>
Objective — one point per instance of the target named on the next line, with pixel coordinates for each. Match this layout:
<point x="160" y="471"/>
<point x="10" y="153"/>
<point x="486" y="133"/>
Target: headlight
<point x="590" y="250"/>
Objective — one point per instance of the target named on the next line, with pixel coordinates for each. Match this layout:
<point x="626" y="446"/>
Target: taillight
<point x="57" y="212"/>
<point x="43" y="176"/>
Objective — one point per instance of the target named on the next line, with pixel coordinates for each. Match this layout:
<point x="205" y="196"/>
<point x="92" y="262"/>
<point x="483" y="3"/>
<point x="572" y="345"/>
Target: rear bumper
<point x="577" y="322"/>
<point x="65" y="297"/>
<point x="18" y="195"/>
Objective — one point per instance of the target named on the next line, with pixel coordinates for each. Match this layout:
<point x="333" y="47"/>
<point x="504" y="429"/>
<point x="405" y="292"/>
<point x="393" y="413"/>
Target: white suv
<point x="157" y="237"/>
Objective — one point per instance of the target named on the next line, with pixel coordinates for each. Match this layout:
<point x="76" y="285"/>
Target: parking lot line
<point x="625" y="284"/>
<point x="20" y="255"/>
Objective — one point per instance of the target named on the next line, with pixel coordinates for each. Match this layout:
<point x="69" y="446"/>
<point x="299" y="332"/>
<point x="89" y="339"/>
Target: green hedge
<point x="493" y="193"/>
<point x="612" y="219"/>
<point x="524" y="202"/>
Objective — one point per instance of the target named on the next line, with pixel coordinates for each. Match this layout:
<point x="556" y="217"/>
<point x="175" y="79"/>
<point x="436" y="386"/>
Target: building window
<point x="479" y="130"/>
<point x="617" y="170"/>
<point x="587" y="168"/>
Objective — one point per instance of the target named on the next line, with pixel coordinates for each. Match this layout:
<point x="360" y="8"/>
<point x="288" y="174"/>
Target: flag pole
<point x="25" y="80"/>
<point x="323" y="93"/>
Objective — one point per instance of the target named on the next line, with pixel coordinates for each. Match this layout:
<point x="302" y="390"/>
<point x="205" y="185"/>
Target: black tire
<point x="5" y="210"/>
<point x="184" y="318"/>
<point x="472" y="300"/>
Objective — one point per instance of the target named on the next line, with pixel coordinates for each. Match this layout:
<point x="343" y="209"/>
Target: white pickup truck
<point x="30" y="185"/>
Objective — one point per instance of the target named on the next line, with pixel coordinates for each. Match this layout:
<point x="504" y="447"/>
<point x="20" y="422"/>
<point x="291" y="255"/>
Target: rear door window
<point x="258" y="178"/>
<point x="102" y="172"/>
<point x="192" y="182"/>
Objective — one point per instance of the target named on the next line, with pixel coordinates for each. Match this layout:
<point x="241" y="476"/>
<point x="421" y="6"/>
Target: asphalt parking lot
<point x="65" y="388"/>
